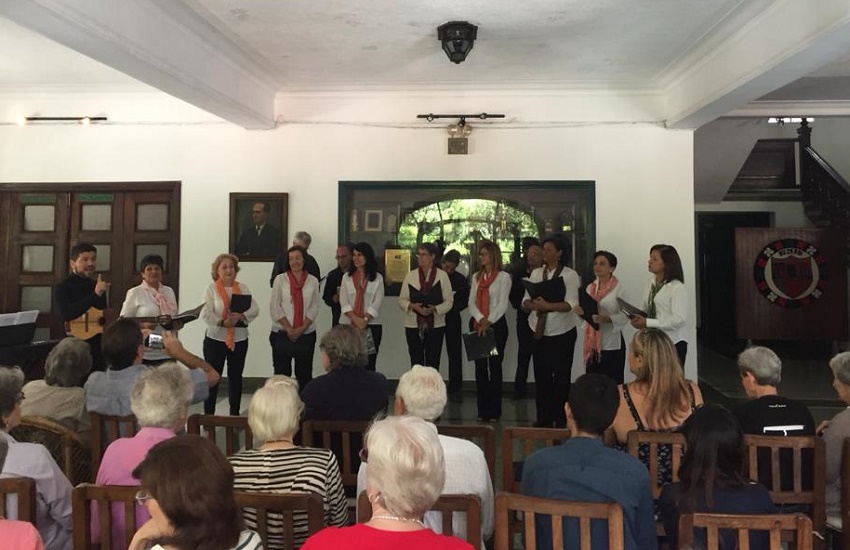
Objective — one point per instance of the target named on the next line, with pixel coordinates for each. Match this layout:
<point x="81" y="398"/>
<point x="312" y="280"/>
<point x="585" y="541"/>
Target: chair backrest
<point x="446" y="505"/>
<point x="64" y="446"/>
<point x="845" y="493"/>
<point x="483" y="436"/>
<point x="774" y="524"/>
<point x="233" y="427"/>
<point x="656" y="441"/>
<point x="798" y="494"/>
<point x="344" y="438"/>
<point x="286" y="504"/>
<point x="104" y="430"/>
<point x="558" y="510"/>
<point x="104" y="495"/>
<point x="24" y="489"/>
<point x="527" y="440"/>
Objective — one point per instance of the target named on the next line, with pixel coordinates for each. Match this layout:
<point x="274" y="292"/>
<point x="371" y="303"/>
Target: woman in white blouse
<point x="294" y="307"/>
<point x="151" y="299"/>
<point x="605" y="349"/>
<point x="488" y="302"/>
<point x="666" y="302"/>
<point x="227" y="331"/>
<point x="360" y="296"/>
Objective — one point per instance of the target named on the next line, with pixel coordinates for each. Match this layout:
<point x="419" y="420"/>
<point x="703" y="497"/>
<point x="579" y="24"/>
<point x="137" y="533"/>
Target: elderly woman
<point x="160" y="400"/>
<point x="151" y="299"/>
<point x="187" y="487"/>
<point x="347" y="391"/>
<point x="280" y="466"/>
<point x="53" y="490"/>
<point x="20" y="535"/>
<point x="60" y="396"/>
<point x="405" y="474"/>
<point x="835" y="431"/>
<point x="227" y="330"/>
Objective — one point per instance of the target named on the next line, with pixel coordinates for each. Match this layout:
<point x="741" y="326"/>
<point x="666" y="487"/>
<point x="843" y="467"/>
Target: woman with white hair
<point x="53" y="490"/>
<point x="280" y="466"/>
<point x="835" y="431"/>
<point x="160" y="401"/>
<point x="405" y="474"/>
<point x="60" y="395"/>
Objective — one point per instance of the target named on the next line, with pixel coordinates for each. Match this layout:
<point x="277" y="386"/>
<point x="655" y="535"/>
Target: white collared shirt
<point x="557" y="322"/>
<point x="281" y="302"/>
<point x="671" y="308"/>
<point x="500" y="290"/>
<point x="371" y="301"/>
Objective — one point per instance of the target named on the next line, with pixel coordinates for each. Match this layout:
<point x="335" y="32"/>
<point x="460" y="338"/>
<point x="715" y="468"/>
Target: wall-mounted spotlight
<point x="457" y="38"/>
<point x="84" y="120"/>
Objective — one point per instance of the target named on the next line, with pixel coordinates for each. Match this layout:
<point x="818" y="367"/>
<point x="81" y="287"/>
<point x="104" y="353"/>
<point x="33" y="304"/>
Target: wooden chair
<point x="257" y="507"/>
<point x="836" y="524"/>
<point x="813" y="498"/>
<point x="775" y="524"/>
<point x="529" y="440"/>
<point x="65" y="446"/>
<point x="105" y="495"/>
<point x="24" y="490"/>
<point x="344" y="439"/>
<point x="654" y="440"/>
<point x="506" y="503"/>
<point x="483" y="436"/>
<point x="104" y="430"/>
<point x="233" y="426"/>
<point x="447" y="506"/>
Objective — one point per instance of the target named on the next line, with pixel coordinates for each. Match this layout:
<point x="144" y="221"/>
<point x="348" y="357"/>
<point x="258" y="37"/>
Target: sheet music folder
<point x="433" y="298"/>
<point x="480" y="347"/>
<point x="552" y="290"/>
<point x="629" y="309"/>
<point x="240" y="303"/>
<point x="590" y="307"/>
<point x="17" y="329"/>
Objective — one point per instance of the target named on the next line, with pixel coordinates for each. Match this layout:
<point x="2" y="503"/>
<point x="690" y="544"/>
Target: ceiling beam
<point x="784" y="42"/>
<point x="163" y="43"/>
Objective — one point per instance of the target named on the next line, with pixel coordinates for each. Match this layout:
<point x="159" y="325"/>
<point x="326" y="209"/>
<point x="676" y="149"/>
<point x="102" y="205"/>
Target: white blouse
<point x="500" y="290"/>
<point x="213" y="307"/>
<point x="371" y="301"/>
<point x="281" y="302"/>
<point x="557" y="322"/>
<point x="140" y="302"/>
<point x="611" y="332"/>
<point x="671" y="308"/>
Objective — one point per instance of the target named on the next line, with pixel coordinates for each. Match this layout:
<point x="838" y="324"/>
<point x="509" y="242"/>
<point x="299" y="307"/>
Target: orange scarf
<point x="482" y="295"/>
<point x="295" y="292"/>
<point x="229" y="340"/>
<point x="360" y="281"/>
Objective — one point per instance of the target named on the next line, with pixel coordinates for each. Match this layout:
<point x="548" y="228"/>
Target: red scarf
<point x="592" y="337"/>
<point x="425" y="285"/>
<point x="482" y="295"/>
<point x="229" y="340"/>
<point x="295" y="292"/>
<point x="360" y="281"/>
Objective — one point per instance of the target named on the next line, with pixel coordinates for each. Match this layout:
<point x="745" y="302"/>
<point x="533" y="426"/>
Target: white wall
<point x="785" y="214"/>
<point x="643" y="174"/>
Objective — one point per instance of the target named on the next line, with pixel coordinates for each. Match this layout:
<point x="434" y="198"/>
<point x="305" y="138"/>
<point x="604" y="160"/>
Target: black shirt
<point x="460" y="287"/>
<point x="75" y="296"/>
<point x="332" y="283"/>
<point x="519" y="273"/>
<point x="346" y="393"/>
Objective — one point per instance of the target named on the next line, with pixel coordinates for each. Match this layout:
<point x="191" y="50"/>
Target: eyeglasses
<point x="21" y="396"/>
<point x="142" y="496"/>
<point x="340" y="257"/>
<point x="364" y="455"/>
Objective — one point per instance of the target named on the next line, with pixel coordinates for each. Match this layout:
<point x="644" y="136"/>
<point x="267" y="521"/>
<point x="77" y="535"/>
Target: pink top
<point x="116" y="468"/>
<point x="19" y="535"/>
<point x="363" y="537"/>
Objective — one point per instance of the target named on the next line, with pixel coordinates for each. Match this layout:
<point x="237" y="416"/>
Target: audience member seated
<point x="17" y="535"/>
<point x="421" y="392"/>
<point x="404" y="479"/>
<point x="834" y="431"/>
<point x="160" y="400"/>
<point x="280" y="466"/>
<point x="53" y="490"/>
<point x="60" y="396"/>
<point x="348" y="391"/>
<point x="109" y="392"/>
<point x="767" y="413"/>
<point x="187" y="487"/>
<point x="659" y="399"/>
<point x="713" y="478"/>
<point x="584" y="469"/>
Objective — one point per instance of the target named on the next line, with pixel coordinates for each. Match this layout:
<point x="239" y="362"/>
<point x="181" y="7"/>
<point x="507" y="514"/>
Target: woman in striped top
<point x="279" y="466"/>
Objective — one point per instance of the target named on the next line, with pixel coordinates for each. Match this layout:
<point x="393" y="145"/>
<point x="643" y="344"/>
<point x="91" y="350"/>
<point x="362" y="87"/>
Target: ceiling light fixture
<point x="84" y="120"/>
<point x="457" y="38"/>
<point x="458" y="134"/>
<point x="788" y="120"/>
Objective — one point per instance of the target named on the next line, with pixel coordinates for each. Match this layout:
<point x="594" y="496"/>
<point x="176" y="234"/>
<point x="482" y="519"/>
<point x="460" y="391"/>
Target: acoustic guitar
<point x="90" y="323"/>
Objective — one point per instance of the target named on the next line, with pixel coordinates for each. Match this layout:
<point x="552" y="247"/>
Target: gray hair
<point x="4" y="450"/>
<point x="344" y="346"/>
<point x="406" y="468"/>
<point x="423" y="392"/>
<point x="161" y="395"/>
<point x="304" y="237"/>
<point x="275" y="409"/>
<point x="763" y="363"/>
<point x="67" y="363"/>
<point x="840" y="365"/>
<point x="11" y="384"/>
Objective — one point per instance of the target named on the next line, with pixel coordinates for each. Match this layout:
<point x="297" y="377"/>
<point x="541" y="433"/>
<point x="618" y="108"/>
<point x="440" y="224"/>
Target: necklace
<point x="396" y="518"/>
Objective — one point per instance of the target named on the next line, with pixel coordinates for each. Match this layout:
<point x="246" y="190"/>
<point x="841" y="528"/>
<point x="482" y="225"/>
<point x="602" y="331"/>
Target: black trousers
<point x="488" y="375"/>
<point x="525" y="346"/>
<point x="682" y="351"/>
<point x="612" y="363"/>
<point x="216" y="353"/>
<point x="454" y="351"/>
<point x="377" y="333"/>
<point x="425" y="351"/>
<point x="285" y="352"/>
<point x="553" y="364"/>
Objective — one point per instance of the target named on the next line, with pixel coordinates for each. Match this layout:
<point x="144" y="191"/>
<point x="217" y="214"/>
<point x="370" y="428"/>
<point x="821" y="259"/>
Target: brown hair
<point x="220" y="258"/>
<point x="667" y="395"/>
<point x="192" y="482"/>
<point x="495" y="254"/>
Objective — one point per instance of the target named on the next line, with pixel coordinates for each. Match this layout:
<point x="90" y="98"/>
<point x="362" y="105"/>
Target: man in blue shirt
<point x="583" y="469"/>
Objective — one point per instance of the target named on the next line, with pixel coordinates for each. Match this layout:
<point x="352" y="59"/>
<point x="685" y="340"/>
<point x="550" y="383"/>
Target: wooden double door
<point x="39" y="223"/>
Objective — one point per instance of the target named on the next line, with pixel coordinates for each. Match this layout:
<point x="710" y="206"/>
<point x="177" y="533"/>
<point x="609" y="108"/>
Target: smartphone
<point x="154" y="341"/>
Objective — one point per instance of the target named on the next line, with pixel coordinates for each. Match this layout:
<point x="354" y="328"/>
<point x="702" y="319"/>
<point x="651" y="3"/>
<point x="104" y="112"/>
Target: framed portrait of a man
<point x="258" y="225"/>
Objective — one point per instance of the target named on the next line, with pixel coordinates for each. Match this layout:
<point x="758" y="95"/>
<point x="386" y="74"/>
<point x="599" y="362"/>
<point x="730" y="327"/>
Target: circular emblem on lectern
<point x="790" y="273"/>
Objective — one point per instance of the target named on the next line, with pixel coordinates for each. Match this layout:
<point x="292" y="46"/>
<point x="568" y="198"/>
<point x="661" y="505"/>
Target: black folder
<point x="590" y="307"/>
<point x="630" y="310"/>
<point x="433" y="298"/>
<point x="240" y="303"/>
<point x="478" y="346"/>
<point x="552" y="290"/>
